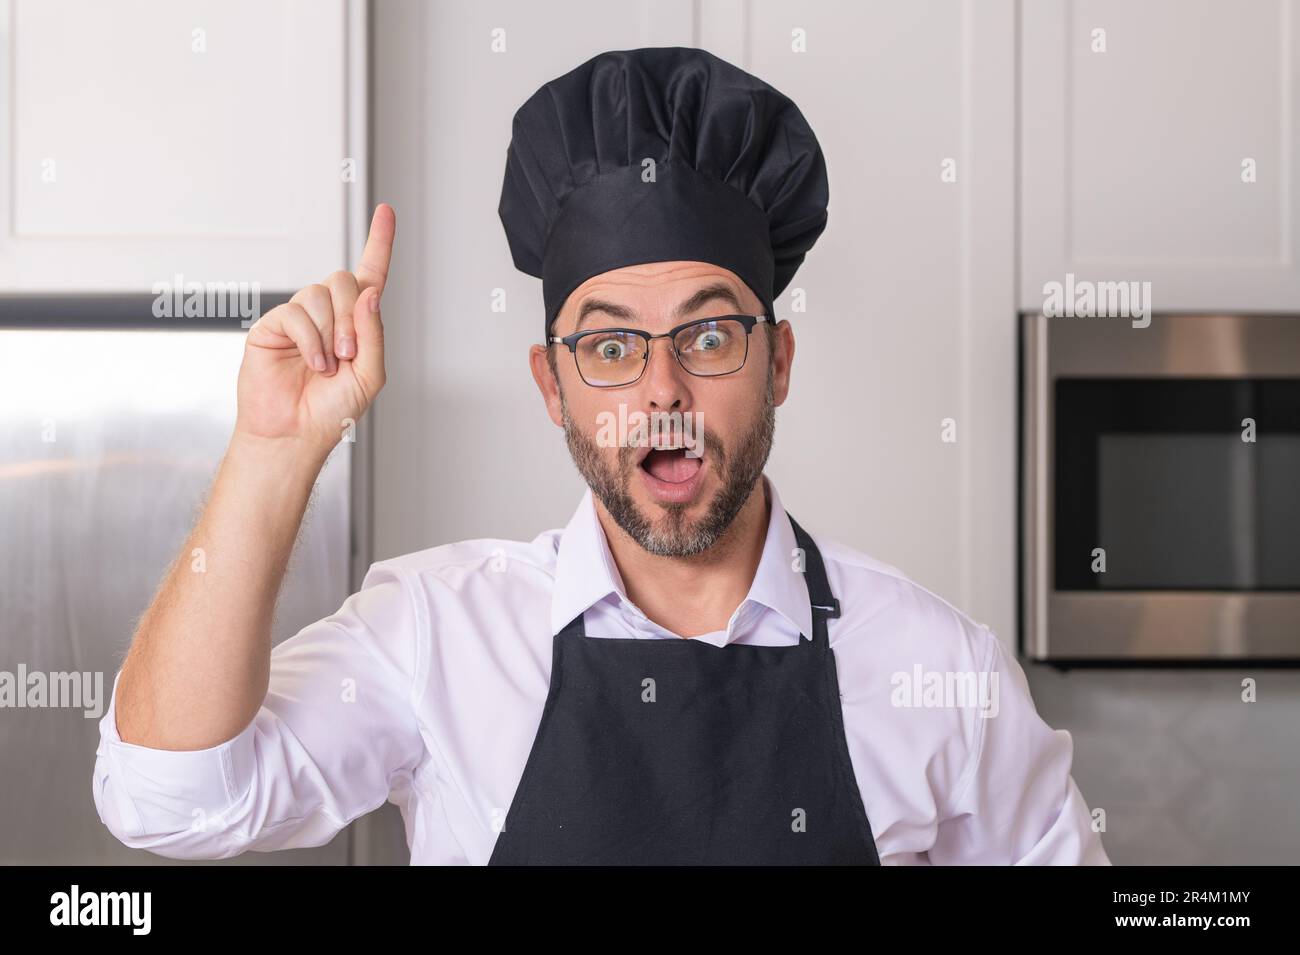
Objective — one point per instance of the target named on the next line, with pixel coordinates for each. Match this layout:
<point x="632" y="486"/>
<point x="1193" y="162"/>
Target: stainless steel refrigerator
<point x="112" y="424"/>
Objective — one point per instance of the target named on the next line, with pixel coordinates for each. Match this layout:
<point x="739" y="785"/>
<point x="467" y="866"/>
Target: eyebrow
<point x="709" y="293"/>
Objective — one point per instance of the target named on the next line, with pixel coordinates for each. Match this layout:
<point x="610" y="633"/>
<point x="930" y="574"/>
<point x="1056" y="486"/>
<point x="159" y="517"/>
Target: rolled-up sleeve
<point x="1017" y="803"/>
<point x="337" y="727"/>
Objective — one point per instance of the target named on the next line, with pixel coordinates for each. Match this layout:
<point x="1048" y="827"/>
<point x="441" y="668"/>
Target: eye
<point x="610" y="349"/>
<point x="709" y="339"/>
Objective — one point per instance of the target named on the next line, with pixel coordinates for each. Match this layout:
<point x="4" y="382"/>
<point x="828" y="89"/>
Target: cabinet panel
<point x="1158" y="145"/>
<point x="149" y="139"/>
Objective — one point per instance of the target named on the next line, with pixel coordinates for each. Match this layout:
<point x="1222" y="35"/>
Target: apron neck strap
<point x="824" y="603"/>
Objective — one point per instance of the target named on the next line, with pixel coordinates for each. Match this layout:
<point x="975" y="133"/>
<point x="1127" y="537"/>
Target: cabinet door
<point x="1159" y="144"/>
<point x="146" y="140"/>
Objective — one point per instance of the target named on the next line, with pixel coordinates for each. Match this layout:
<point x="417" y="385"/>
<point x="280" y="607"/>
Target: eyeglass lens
<point x="610" y="358"/>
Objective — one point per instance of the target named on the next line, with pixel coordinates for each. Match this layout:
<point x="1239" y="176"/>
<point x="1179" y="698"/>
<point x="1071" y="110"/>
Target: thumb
<point x="368" y="365"/>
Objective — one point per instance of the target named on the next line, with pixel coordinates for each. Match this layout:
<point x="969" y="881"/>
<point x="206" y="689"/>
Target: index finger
<point x="373" y="268"/>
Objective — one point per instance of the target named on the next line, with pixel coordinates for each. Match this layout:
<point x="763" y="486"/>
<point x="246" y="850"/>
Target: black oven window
<point x="1159" y="475"/>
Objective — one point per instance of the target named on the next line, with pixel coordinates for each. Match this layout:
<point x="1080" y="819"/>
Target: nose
<point x="665" y="381"/>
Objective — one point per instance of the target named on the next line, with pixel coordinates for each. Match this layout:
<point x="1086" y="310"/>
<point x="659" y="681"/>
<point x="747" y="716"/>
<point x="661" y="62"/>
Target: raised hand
<point x="315" y="364"/>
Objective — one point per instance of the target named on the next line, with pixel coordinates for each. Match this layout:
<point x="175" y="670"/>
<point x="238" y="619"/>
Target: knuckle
<point x="311" y="294"/>
<point x="341" y="280"/>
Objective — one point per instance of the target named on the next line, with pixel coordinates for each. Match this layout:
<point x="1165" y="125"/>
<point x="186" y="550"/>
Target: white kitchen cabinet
<point x="1142" y="126"/>
<point x="145" y="140"/>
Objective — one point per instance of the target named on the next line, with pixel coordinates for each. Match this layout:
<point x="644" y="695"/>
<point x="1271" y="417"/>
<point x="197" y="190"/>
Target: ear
<point x="783" y="341"/>
<point x="546" y="383"/>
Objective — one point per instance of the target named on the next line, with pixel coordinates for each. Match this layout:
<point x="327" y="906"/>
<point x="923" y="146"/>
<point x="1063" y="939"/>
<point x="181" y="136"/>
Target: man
<point x="682" y="674"/>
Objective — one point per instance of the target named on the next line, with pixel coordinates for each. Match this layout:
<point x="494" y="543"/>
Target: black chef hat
<point x="738" y="177"/>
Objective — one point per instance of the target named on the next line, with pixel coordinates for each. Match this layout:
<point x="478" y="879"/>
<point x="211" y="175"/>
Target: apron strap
<point x="824" y="604"/>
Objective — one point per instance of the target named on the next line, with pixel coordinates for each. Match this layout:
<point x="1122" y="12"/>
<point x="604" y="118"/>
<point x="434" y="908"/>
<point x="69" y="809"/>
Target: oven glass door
<point x="1177" y="484"/>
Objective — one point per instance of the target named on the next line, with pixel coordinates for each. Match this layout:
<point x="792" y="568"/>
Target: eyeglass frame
<point x="571" y="342"/>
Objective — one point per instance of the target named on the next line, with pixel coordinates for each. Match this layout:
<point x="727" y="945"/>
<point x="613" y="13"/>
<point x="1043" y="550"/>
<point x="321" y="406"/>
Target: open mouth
<point x="671" y="467"/>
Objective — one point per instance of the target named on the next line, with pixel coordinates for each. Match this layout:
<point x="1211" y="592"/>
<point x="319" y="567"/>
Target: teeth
<point x="669" y="444"/>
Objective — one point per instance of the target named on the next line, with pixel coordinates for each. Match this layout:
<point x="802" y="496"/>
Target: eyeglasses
<point x="616" y="357"/>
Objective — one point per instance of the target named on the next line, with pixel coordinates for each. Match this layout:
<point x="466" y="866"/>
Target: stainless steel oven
<point x="1161" y="489"/>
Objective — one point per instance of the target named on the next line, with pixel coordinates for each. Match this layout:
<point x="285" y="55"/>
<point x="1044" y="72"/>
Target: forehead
<point x="653" y="290"/>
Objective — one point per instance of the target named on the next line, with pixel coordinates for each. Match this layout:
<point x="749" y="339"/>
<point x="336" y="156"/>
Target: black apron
<point x="674" y="752"/>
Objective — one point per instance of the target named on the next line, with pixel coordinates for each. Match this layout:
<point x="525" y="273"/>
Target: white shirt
<point x="427" y="686"/>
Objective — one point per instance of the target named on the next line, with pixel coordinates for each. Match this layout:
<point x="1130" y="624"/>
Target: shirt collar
<point x="585" y="572"/>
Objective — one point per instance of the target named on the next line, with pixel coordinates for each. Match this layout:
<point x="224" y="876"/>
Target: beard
<point x="674" y="534"/>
